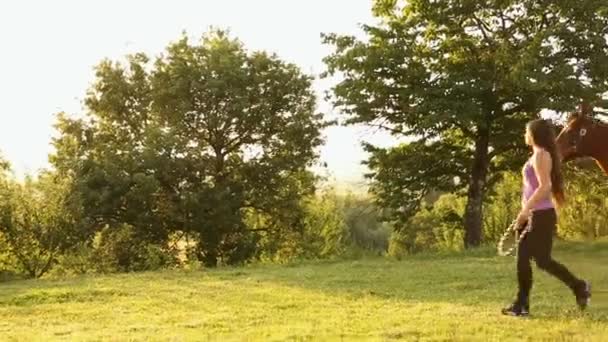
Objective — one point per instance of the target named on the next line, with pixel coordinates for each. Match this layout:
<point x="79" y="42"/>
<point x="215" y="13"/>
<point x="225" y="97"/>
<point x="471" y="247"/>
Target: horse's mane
<point x="596" y="120"/>
<point x="593" y="117"/>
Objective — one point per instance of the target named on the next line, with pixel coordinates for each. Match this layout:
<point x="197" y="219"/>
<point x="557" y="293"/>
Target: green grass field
<point x="427" y="298"/>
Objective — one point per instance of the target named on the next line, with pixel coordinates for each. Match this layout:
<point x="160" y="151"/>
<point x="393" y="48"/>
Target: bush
<point x="115" y="249"/>
<point x="8" y="265"/>
<point x="437" y="227"/>
<point x="366" y="230"/>
<point x="585" y="214"/>
<point x="328" y="225"/>
<point x="502" y="206"/>
<point x="35" y="223"/>
<point x="322" y="232"/>
<point x="78" y="260"/>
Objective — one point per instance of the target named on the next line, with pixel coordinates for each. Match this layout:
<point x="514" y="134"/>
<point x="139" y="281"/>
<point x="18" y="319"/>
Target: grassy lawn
<point x="434" y="298"/>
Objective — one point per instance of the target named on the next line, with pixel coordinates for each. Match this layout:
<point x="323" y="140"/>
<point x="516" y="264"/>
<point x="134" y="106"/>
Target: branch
<point x="266" y="230"/>
<point x="390" y="129"/>
<point x="502" y="21"/>
<point x="47" y="266"/>
<point x="543" y="22"/>
<point x="482" y="26"/>
<point x="496" y="151"/>
<point x="516" y="109"/>
<point x="509" y="19"/>
<point x="465" y="130"/>
<point x="20" y="257"/>
<point x="254" y="207"/>
<point x="235" y="143"/>
<point x="508" y="30"/>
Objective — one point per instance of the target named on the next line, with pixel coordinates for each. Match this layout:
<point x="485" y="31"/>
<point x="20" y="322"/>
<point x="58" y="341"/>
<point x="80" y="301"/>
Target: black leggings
<point x="537" y="244"/>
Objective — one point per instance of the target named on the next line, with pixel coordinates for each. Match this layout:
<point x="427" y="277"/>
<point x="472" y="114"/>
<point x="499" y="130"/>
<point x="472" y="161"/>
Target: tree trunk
<point x="474" y="209"/>
<point x="209" y="258"/>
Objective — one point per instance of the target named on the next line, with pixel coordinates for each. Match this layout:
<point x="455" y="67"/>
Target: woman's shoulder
<point x="541" y="156"/>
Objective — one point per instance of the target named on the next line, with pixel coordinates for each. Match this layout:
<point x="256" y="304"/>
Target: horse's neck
<point x="601" y="147"/>
<point x="600" y="150"/>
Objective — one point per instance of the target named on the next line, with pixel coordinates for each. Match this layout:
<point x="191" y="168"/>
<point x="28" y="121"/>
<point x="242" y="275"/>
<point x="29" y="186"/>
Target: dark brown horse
<point x="584" y="136"/>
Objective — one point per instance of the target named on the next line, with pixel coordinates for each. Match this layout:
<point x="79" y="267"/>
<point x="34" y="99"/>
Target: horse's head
<point x="572" y="141"/>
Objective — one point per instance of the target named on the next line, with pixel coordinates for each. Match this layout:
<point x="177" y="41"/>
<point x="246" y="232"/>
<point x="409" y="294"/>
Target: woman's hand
<point x="523" y="217"/>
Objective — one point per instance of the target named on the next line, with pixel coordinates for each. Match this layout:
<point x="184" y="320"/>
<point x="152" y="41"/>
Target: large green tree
<point x="460" y="78"/>
<point x="197" y="141"/>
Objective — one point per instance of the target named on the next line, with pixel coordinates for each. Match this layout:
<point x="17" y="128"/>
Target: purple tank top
<point x="530" y="185"/>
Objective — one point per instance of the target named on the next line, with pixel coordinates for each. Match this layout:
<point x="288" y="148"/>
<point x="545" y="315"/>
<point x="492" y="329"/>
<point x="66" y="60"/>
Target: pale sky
<point x="49" y="49"/>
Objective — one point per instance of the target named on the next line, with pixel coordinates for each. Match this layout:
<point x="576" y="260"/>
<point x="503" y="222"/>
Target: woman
<point x="542" y="180"/>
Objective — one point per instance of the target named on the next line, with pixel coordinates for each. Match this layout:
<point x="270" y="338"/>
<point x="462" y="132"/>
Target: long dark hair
<point x="543" y="135"/>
